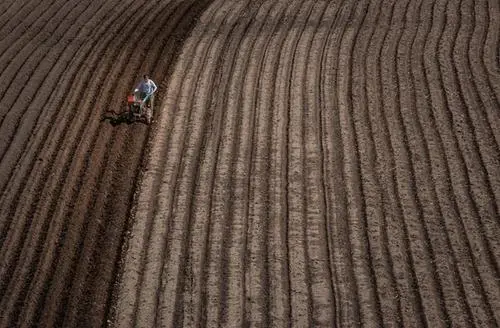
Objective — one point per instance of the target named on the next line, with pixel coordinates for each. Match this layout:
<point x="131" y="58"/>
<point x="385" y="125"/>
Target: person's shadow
<point x="115" y="118"/>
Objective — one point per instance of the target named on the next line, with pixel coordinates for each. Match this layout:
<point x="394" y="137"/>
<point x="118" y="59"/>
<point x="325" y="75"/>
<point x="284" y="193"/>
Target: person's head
<point x="146" y="77"/>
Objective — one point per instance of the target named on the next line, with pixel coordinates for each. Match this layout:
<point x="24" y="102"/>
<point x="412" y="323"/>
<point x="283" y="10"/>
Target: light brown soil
<point x="310" y="163"/>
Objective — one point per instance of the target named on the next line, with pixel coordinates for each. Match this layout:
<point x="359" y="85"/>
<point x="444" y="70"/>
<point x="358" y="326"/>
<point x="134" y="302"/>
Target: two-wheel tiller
<point x="140" y="107"/>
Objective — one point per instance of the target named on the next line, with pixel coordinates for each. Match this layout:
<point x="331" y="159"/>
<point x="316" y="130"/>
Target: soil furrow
<point x="492" y="45"/>
<point x="61" y="206"/>
<point x="360" y="248"/>
<point x="403" y="175"/>
<point x="300" y="294"/>
<point x="449" y="264"/>
<point x="235" y="248"/>
<point x="476" y="54"/>
<point x="16" y="15"/>
<point x="36" y="101"/>
<point x="392" y="229"/>
<point x="478" y="186"/>
<point x="22" y="113"/>
<point x="26" y="30"/>
<point x="212" y="76"/>
<point x="439" y="72"/>
<point x="23" y="61"/>
<point x="344" y="281"/>
<point x="275" y="77"/>
<point x="323" y="307"/>
<point x="194" y="294"/>
<point x="308" y="169"/>
<point x="144" y="207"/>
<point x="487" y="154"/>
<point x="153" y="269"/>
<point x="439" y="247"/>
<point x="364" y="66"/>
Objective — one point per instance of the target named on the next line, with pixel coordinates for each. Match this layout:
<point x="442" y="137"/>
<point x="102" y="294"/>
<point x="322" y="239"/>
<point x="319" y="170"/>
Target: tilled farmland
<point x="310" y="163"/>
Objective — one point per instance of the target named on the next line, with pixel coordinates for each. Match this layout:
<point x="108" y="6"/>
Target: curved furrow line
<point x="20" y="62"/>
<point x="257" y="97"/>
<point x="318" y="101"/>
<point x="145" y="206"/>
<point x="304" y="149"/>
<point x="365" y="191"/>
<point x="145" y="312"/>
<point x="451" y="248"/>
<point x="491" y="52"/>
<point x="21" y="116"/>
<point x="486" y="154"/>
<point x="119" y="140"/>
<point x="24" y="29"/>
<point x="42" y="182"/>
<point x="193" y="294"/>
<point x="407" y="180"/>
<point x="41" y="132"/>
<point x="179" y="210"/>
<point x="347" y="313"/>
<point x="216" y="295"/>
<point x="370" y="196"/>
<point x="432" y="224"/>
<point x="470" y="145"/>
<point x="275" y="78"/>
<point x="422" y="281"/>
<point x="15" y="14"/>
<point x="440" y="73"/>
<point x="461" y="206"/>
<point x="392" y="233"/>
<point x="24" y="143"/>
<point x="300" y="295"/>
<point x="427" y="226"/>
<point x="171" y="308"/>
<point x="73" y="243"/>
<point x="360" y="250"/>
<point x="48" y="203"/>
<point x="480" y="210"/>
<point x="476" y="53"/>
<point x="238" y="264"/>
<point x="162" y="54"/>
<point x="47" y="89"/>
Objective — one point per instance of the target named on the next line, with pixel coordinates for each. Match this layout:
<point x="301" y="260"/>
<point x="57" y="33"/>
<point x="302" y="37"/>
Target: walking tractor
<point x="140" y="107"/>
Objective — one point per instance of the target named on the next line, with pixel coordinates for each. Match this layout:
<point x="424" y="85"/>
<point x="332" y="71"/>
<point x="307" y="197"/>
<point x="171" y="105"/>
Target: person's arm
<point x="154" y="87"/>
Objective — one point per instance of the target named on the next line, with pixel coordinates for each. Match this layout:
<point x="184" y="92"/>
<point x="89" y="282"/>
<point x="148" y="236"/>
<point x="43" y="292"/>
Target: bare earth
<point x="310" y="164"/>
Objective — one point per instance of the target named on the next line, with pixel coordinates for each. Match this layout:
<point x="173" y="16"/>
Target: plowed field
<point x="310" y="163"/>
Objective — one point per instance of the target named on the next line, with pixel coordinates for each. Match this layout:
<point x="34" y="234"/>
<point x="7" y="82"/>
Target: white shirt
<point x="148" y="86"/>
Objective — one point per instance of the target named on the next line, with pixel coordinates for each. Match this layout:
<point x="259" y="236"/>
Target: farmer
<point x="146" y="88"/>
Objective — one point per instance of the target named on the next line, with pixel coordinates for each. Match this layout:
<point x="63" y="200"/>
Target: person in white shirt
<point x="146" y="88"/>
